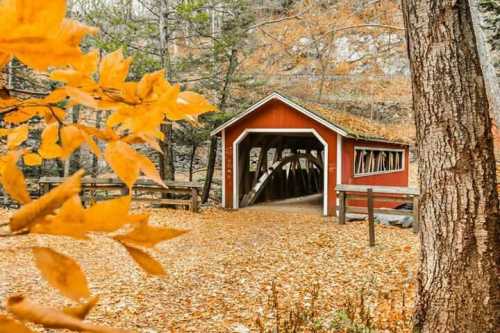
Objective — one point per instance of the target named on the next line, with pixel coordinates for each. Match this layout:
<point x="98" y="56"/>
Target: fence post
<point x="342" y="207"/>
<point x="416" y="222"/>
<point x="194" y="199"/>
<point x="371" y="219"/>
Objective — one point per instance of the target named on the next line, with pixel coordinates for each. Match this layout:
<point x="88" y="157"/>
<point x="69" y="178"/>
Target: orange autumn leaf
<point x="89" y="63"/>
<point x="32" y="159"/>
<point x="145" y="87"/>
<point x="126" y="162"/>
<point x="53" y="114"/>
<point x="129" y="93"/>
<point x="51" y="226"/>
<point x="26" y="310"/>
<point x="23" y="114"/>
<point x="138" y="218"/>
<point x="49" y="148"/>
<point x="91" y="144"/>
<point x="71" y="139"/>
<point x="105" y="134"/>
<point x="36" y="210"/>
<point x="79" y="96"/>
<point x="50" y="151"/>
<point x="188" y="105"/>
<point x="4" y="131"/>
<point x="50" y="134"/>
<point x="6" y="103"/>
<point x="148" y="236"/>
<point x="145" y="261"/>
<point x="108" y="215"/>
<point x="151" y="141"/>
<point x="148" y="168"/>
<point x="68" y="221"/>
<point x="9" y="325"/>
<point x="122" y="158"/>
<point x="142" y="120"/>
<point x="38" y="35"/>
<point x="81" y="310"/>
<point x="81" y="75"/>
<point x="191" y="103"/>
<point x="55" y="96"/>
<point x="113" y="69"/>
<point x="13" y="180"/>
<point x="115" y="119"/>
<point x="17" y="136"/>
<point x="42" y="17"/>
<point x="71" y="212"/>
<point x="62" y="273"/>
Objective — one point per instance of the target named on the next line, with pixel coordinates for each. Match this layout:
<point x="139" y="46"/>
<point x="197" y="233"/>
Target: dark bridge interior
<point x="276" y="166"/>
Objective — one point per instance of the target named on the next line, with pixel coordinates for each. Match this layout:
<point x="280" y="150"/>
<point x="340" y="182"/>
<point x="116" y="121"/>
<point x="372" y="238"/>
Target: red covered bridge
<point x="279" y="149"/>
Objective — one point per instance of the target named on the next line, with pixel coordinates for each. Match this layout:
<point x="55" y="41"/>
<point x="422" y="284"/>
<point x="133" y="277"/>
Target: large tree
<point x="460" y="257"/>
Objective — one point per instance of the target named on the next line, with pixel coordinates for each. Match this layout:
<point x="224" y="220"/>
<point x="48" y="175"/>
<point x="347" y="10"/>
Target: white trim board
<point x="288" y="102"/>
<point x="339" y="163"/>
<point x="247" y="131"/>
<point x="223" y="169"/>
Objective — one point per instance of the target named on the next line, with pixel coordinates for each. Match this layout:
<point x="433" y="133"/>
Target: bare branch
<point x="296" y="17"/>
<point x="150" y="10"/>
<point x="382" y="26"/>
<point x="285" y="46"/>
<point x="259" y="25"/>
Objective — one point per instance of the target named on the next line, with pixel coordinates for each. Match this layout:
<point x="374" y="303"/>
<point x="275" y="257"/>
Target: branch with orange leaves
<point x="31" y="28"/>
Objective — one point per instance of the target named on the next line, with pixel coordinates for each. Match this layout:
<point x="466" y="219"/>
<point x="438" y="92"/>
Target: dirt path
<point x="220" y="272"/>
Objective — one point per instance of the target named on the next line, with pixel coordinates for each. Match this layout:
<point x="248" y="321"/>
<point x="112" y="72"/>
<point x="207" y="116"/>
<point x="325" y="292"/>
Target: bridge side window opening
<point x="372" y="161"/>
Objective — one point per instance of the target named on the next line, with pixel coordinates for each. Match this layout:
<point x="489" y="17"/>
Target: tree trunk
<point x="95" y="159"/>
<point x="74" y="159"/>
<point x="167" y="168"/>
<point x="489" y="72"/>
<point x="60" y="167"/>
<point x="212" y="150"/>
<point x="212" y="154"/>
<point x="191" y="161"/>
<point x="458" y="287"/>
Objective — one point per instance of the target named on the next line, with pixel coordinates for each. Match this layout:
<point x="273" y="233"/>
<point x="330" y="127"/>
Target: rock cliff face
<point x="355" y="50"/>
<point x="362" y="50"/>
<point x="347" y="54"/>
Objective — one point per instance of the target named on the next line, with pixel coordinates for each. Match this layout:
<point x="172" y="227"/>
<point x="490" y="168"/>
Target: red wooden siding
<point x="397" y="178"/>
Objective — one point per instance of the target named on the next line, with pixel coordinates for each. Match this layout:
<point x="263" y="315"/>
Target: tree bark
<point x="95" y="159"/>
<point x="212" y="154"/>
<point x="212" y="150"/>
<point x="167" y="167"/>
<point x="489" y="72"/>
<point x="191" y="160"/>
<point x="74" y="159"/>
<point x="458" y="287"/>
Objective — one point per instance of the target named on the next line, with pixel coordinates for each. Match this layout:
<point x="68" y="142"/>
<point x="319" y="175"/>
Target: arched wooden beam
<point x="250" y="197"/>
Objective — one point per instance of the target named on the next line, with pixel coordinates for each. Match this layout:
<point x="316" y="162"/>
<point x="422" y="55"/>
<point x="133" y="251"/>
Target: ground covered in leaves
<point x="220" y="273"/>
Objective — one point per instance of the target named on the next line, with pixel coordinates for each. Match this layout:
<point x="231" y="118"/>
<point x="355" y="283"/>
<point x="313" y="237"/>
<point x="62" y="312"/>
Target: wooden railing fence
<point x="372" y="195"/>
